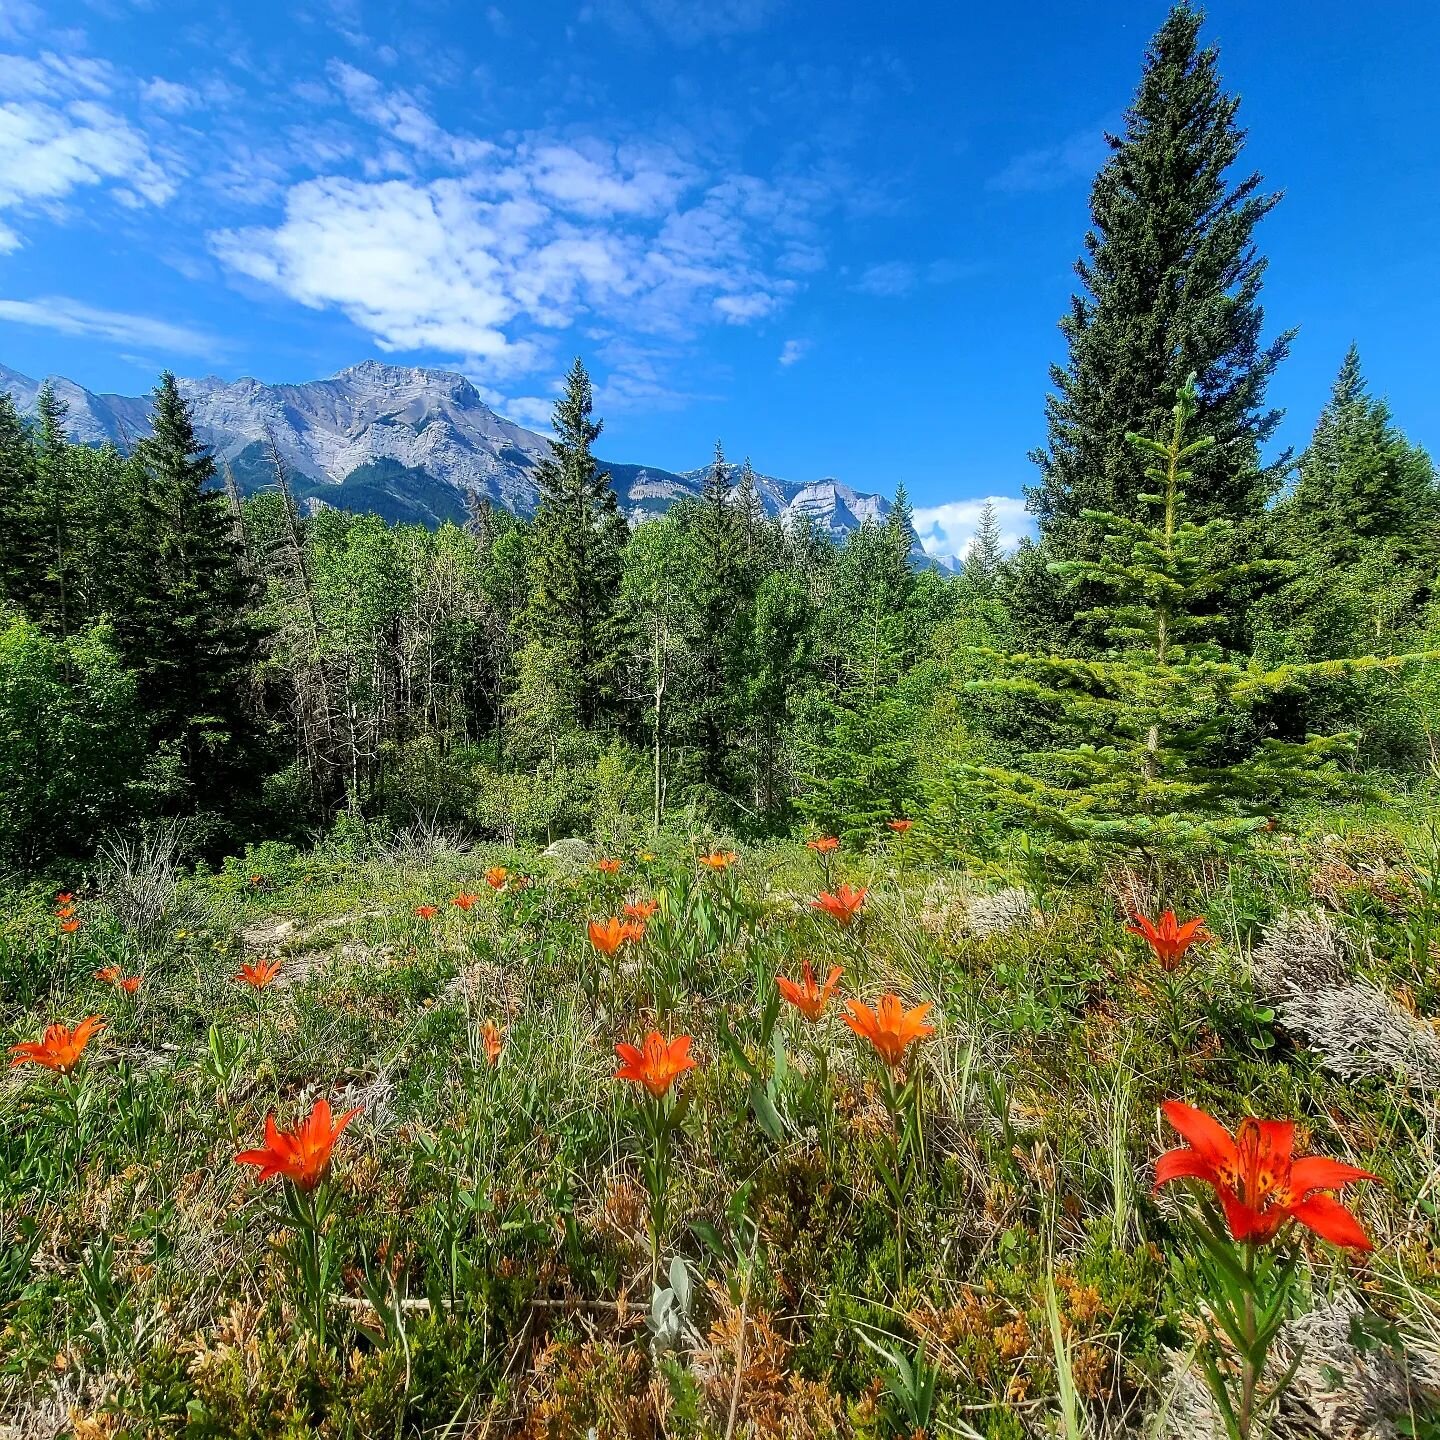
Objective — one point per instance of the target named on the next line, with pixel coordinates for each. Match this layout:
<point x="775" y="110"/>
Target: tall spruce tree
<point x="1171" y="286"/>
<point x="985" y="555"/>
<point x="900" y="531"/>
<point x="575" y="570"/>
<point x="193" y="637"/>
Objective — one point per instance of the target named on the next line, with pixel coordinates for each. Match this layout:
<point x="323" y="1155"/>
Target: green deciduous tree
<point x="70" y="740"/>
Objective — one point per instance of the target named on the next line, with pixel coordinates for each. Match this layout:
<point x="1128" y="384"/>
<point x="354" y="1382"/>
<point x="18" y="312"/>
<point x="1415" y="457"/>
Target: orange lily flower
<point x="635" y="930"/>
<point x="496" y="876"/>
<point x="899" y="826"/>
<point x="844" y="905"/>
<point x="109" y="974"/>
<point x="719" y="859"/>
<point x="607" y="936"/>
<point x="301" y="1155"/>
<point x="426" y="912"/>
<point x="465" y="900"/>
<point x="63" y="900"/>
<point x="805" y="995"/>
<point x="130" y="984"/>
<point x="642" y="909"/>
<point x="1169" y="939"/>
<point x="259" y="973"/>
<point x="59" y="1048"/>
<point x="657" y="1063"/>
<point x="608" y="867"/>
<point x="69" y="924"/>
<point x="492" y="1038"/>
<point x="1257" y="1180"/>
<point x="889" y="1027"/>
<point x="825" y="845"/>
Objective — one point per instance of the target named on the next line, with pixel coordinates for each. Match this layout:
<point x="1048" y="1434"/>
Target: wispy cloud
<point x="72" y="317"/>
<point x="948" y="530"/>
<point x="681" y="22"/>
<point x="19" y="18"/>
<point x="59" y="134"/>
<point x="169" y="96"/>
<point x="793" y="351"/>
<point x="490" y="250"/>
<point x="892" y="278"/>
<point x="52" y="76"/>
<point x="1051" y="167"/>
<point x="46" y="151"/>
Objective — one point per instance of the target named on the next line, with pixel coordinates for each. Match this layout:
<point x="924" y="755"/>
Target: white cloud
<point x="630" y="180"/>
<point x="947" y="530"/>
<point x="58" y="135"/>
<point x="1052" y="166"/>
<point x="532" y="410"/>
<point x="169" y="96"/>
<point x="741" y="309"/>
<point x="72" y="317"/>
<point x="418" y="266"/>
<point x="46" y="151"/>
<point x="489" y="251"/>
<point x="404" y="119"/>
<point x="52" y="76"/>
<point x="793" y="350"/>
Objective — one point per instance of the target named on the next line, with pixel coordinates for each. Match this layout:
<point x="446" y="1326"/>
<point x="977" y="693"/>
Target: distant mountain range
<point x="408" y="444"/>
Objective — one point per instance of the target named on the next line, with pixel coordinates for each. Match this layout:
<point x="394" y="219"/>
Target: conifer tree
<point x="1361" y="535"/>
<point x="21" y="535"/>
<point x="1171" y="286"/>
<point x="985" y="555"/>
<point x="578" y="537"/>
<point x="1360" y="482"/>
<point x="750" y="513"/>
<point x="1162" y="769"/>
<point x="900" y="531"/>
<point x="52" y="512"/>
<point x="193" y="639"/>
<point x="717" y="605"/>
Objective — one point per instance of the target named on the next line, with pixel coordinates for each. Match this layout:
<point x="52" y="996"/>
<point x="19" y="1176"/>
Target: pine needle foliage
<point x="1172" y="759"/>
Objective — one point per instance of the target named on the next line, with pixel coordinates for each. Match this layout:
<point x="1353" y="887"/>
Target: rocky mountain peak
<point x="405" y="442"/>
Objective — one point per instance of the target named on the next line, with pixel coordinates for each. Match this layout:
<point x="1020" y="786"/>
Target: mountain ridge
<point x="408" y="443"/>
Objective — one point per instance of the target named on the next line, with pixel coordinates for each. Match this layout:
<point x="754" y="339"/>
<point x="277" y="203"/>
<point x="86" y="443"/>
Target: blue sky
<point x="838" y="236"/>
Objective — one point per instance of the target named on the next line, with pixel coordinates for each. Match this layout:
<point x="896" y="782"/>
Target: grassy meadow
<point x="482" y="1259"/>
